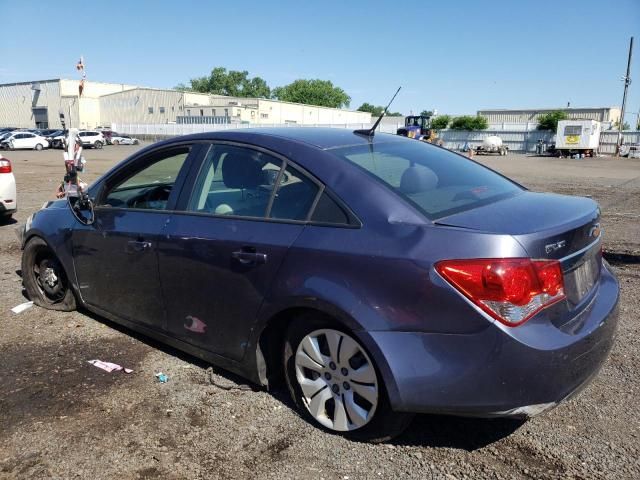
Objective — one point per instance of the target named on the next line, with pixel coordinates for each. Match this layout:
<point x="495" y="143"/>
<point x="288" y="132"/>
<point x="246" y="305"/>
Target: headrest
<point x="416" y="179"/>
<point x="241" y="171"/>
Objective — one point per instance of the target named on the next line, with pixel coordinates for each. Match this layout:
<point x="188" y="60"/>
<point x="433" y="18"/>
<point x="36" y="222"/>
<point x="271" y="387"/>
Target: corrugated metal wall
<point x="18" y="100"/>
<point x="141" y="106"/>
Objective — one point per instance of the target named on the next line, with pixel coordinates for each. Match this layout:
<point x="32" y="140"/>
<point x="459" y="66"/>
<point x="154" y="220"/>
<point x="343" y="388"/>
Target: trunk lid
<point x="548" y="226"/>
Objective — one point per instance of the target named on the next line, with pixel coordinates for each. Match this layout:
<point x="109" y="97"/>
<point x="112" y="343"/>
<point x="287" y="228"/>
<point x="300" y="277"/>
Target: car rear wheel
<point x="38" y="146"/>
<point x="335" y="383"/>
<point x="44" y="277"/>
<point x="98" y="145"/>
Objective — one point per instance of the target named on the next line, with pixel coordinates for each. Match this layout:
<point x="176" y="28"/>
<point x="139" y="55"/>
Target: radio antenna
<point x="370" y="132"/>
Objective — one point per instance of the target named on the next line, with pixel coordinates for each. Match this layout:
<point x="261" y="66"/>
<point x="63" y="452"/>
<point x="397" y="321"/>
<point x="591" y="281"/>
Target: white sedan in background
<point x="119" y="139"/>
<point x="17" y="140"/>
<point x="8" y="197"/>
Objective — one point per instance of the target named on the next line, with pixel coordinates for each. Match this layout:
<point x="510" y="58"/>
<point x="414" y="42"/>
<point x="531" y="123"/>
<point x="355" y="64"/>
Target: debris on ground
<point x="22" y="307"/>
<point x="162" y="378"/>
<point x="109" y="367"/>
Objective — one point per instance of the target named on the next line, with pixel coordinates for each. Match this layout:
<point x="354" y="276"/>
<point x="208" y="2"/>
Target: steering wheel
<point x="159" y="193"/>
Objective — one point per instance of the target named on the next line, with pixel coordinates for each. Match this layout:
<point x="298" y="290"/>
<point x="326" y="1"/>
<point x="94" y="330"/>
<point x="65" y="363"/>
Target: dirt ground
<point x="63" y="418"/>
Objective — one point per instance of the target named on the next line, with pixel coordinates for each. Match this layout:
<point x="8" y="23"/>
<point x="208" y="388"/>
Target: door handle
<point x="138" y="246"/>
<point x="248" y="257"/>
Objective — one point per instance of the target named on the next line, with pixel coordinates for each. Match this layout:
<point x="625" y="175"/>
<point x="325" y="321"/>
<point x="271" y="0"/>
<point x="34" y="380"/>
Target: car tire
<point x="44" y="278"/>
<point x="115" y="142"/>
<point x="38" y="146"/>
<point x="97" y="145"/>
<point x="329" y="392"/>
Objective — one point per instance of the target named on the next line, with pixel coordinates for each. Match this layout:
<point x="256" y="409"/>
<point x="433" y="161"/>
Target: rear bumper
<point x="499" y="371"/>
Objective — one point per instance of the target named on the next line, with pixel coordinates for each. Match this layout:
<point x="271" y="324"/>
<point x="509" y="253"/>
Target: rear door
<point x="219" y="256"/>
<point x="116" y="258"/>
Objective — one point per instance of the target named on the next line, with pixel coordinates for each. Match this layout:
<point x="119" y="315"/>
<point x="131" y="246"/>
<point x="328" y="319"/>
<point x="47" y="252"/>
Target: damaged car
<point x="377" y="277"/>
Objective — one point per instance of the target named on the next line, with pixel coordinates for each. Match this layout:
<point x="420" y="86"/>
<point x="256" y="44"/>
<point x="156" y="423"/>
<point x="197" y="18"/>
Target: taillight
<point x="511" y="290"/>
<point x="5" y="165"/>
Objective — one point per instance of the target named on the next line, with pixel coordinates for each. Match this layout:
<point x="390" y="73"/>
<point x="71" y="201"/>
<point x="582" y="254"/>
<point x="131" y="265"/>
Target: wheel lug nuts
<point x="327" y="375"/>
<point x="335" y="388"/>
<point x="344" y="371"/>
<point x="346" y="386"/>
<point x="332" y="366"/>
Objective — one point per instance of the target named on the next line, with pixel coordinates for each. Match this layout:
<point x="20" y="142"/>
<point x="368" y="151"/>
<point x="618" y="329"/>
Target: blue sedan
<point x="377" y="276"/>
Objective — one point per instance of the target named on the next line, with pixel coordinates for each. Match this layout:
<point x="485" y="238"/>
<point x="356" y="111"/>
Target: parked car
<point x="630" y="150"/>
<point x="58" y="138"/>
<point x="48" y="131"/>
<point x="22" y="139"/>
<point x="121" y="139"/>
<point x="379" y="276"/>
<point x="8" y="196"/>
<point x="92" y="139"/>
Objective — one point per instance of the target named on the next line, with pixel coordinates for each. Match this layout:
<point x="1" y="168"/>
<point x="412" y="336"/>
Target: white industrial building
<point x="39" y="104"/>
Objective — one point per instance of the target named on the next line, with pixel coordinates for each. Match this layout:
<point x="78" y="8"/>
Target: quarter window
<point x="294" y="197"/>
<point x="149" y="187"/>
<point x="328" y="211"/>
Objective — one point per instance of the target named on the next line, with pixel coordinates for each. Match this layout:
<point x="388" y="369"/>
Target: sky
<point x="456" y="57"/>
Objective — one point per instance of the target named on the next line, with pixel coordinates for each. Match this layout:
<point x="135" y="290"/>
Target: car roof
<point x="320" y="137"/>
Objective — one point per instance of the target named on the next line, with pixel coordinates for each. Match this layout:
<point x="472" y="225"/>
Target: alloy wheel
<point x="338" y="380"/>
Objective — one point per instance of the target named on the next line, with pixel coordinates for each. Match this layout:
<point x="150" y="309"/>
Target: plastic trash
<point x="108" y="366"/>
<point x="162" y="378"/>
<point x="22" y="307"/>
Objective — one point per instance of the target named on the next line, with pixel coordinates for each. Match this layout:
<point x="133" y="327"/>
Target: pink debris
<point x="109" y="367"/>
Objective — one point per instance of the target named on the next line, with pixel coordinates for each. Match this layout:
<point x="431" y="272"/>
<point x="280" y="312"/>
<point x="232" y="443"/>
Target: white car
<point x="119" y="139"/>
<point x="91" y="138"/>
<point x="8" y="197"/>
<point x="18" y="139"/>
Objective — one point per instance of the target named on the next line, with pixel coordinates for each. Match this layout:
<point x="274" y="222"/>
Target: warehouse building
<point x="38" y="104"/>
<point x="524" y="116"/>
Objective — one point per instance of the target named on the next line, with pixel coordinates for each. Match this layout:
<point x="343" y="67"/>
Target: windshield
<point x="435" y="180"/>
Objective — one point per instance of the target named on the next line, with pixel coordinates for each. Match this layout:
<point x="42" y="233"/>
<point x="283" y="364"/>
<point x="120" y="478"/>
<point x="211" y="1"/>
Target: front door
<point x="116" y="258"/>
<point x="219" y="257"/>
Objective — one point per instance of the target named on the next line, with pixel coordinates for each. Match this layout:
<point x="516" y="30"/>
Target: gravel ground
<point x="63" y="418"/>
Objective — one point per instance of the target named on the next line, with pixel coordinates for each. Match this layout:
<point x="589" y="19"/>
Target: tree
<point x="468" y="122"/>
<point x="625" y="125"/>
<point x="376" y="111"/>
<point x="549" y="121"/>
<point x="372" y="109"/>
<point x="440" y="122"/>
<point x="427" y="113"/>
<point x="313" y="92"/>
<point x="232" y="83"/>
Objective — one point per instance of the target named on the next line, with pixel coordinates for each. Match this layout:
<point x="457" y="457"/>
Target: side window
<point x="235" y="181"/>
<point x="328" y="211"/>
<point x="294" y="197"/>
<point x="149" y="187"/>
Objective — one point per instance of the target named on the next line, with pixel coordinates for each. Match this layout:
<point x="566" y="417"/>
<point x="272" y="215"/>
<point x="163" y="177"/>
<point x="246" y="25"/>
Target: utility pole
<point x="627" y="81"/>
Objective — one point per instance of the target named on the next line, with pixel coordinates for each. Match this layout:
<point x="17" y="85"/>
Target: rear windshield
<point x="437" y="181"/>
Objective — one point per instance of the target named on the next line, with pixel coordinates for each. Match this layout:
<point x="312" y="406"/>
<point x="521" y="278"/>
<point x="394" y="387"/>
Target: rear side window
<point x="235" y="181"/>
<point x="435" y="180"/>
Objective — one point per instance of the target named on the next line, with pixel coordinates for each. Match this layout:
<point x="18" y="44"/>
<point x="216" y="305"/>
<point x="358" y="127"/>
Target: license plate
<point x="584" y="277"/>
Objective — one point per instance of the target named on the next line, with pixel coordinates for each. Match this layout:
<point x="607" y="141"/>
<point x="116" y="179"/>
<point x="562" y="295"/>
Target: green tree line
<point x="239" y="84"/>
